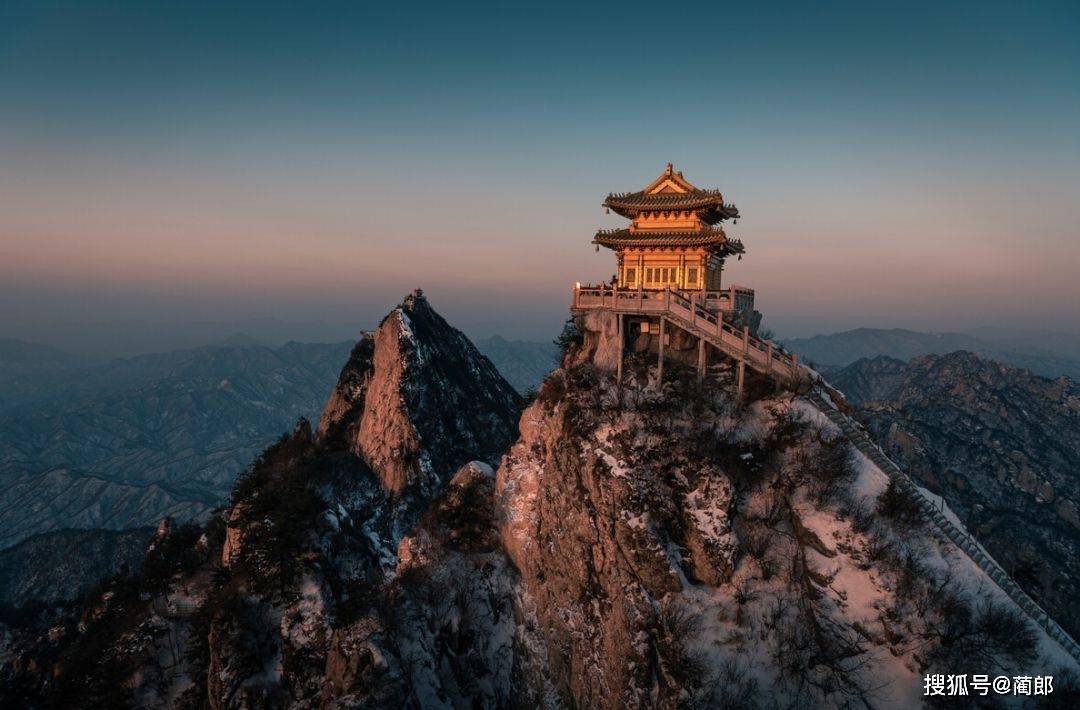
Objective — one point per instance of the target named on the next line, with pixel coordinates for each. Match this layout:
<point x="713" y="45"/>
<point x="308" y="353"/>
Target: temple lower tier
<point x="684" y="269"/>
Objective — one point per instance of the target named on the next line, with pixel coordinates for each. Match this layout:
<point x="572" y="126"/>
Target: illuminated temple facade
<point x="675" y="241"/>
<point x="667" y="295"/>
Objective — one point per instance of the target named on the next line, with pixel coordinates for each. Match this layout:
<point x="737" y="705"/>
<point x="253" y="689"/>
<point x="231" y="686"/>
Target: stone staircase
<point x="736" y="343"/>
<point x="960" y="537"/>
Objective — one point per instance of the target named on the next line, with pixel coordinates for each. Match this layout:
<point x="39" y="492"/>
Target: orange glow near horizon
<point x="920" y="258"/>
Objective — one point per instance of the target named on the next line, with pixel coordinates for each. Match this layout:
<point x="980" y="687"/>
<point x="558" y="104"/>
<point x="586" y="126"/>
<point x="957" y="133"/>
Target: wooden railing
<point x="762" y="355"/>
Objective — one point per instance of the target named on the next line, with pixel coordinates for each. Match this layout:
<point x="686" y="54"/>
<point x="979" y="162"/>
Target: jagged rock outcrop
<point x="588" y="513"/>
<point x="358" y="567"/>
<point x="599" y="340"/>
<point x="416" y="400"/>
<point x="1001" y="445"/>
<point x="614" y="504"/>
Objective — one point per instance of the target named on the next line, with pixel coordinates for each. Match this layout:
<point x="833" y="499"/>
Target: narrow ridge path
<point x="961" y="538"/>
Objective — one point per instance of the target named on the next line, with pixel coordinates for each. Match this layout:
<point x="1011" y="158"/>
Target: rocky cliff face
<point x="607" y="514"/>
<point x="680" y="551"/>
<point x="1001" y="445"/>
<point x="416" y="400"/>
<point x="635" y="547"/>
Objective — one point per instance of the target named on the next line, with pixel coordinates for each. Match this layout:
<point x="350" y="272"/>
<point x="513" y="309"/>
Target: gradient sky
<point x="896" y="165"/>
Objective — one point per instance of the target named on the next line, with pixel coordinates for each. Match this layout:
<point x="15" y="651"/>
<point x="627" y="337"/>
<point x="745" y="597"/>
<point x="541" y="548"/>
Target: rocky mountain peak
<point x="416" y="400"/>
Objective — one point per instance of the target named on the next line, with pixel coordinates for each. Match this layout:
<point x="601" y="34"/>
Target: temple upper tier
<point x="671" y="192"/>
<point x="614" y="238"/>
<point x="673" y="240"/>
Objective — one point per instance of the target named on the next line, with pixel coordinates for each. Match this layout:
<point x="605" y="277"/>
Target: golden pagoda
<point x="667" y="296"/>
<point x="673" y="241"/>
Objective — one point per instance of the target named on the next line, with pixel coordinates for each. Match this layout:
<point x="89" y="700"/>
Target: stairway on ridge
<point x="855" y="433"/>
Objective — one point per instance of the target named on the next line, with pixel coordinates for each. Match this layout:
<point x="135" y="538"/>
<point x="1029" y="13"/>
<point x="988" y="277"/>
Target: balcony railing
<point x="699" y="319"/>
<point x="730" y="300"/>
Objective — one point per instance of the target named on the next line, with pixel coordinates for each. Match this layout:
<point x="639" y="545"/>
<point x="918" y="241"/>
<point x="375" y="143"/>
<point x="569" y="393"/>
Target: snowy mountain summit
<point x="417" y="399"/>
<point x="614" y="544"/>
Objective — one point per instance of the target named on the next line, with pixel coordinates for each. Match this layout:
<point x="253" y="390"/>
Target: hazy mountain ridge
<point x="76" y="377"/>
<point x="21" y="352"/>
<point x="1001" y="445"/>
<point x="98" y="341"/>
<point x="523" y="363"/>
<point x="61" y="564"/>
<point x="1046" y="354"/>
<point x="59" y="499"/>
<point x="153" y="435"/>
<point x="870" y="379"/>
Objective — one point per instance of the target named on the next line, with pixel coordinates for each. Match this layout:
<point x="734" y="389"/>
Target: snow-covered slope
<point x="678" y="548"/>
<point x="1001" y="445"/>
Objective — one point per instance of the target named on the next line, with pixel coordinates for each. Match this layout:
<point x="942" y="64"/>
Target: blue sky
<point x="896" y="165"/>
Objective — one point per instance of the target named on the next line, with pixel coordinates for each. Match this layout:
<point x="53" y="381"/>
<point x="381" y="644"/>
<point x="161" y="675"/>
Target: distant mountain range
<point x="121" y="444"/>
<point x="1044" y="353"/>
<point x="523" y="363"/>
<point x="61" y="564"/>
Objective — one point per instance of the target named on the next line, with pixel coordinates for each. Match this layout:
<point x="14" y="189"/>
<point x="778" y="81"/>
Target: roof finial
<point x="667" y="170"/>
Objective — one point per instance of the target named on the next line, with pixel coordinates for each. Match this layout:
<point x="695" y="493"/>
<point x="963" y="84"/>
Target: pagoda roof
<point x="672" y="192"/>
<point x="714" y="239"/>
